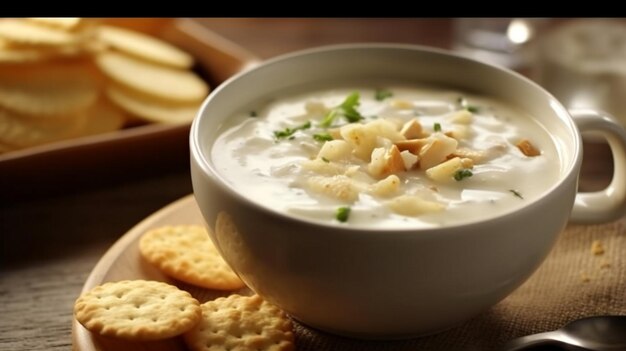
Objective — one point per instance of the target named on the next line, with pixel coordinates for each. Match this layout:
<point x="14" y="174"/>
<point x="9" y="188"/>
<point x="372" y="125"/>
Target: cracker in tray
<point x="64" y="70"/>
<point x="137" y="310"/>
<point x="18" y="131"/>
<point x="144" y="47"/>
<point x="27" y="33"/>
<point x="243" y="323"/>
<point x="151" y="109"/>
<point x="48" y="90"/>
<point x="102" y="117"/>
<point x="65" y="23"/>
<point x="186" y="253"/>
<point x="161" y="82"/>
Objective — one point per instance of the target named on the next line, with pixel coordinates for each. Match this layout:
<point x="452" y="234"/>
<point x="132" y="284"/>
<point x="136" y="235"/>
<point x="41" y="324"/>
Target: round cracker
<point x="137" y="310"/>
<point x="188" y="254"/>
<point x="243" y="323"/>
<point x="169" y="84"/>
<point x="48" y="91"/>
<point x="65" y="23"/>
<point x="102" y="118"/>
<point x="27" y="33"/>
<point x="145" y="47"/>
<point x="20" y="132"/>
<point x="152" y="110"/>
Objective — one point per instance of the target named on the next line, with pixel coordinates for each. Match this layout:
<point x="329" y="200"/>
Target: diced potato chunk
<point x="436" y="150"/>
<point x="335" y="150"/>
<point x="320" y="166"/>
<point x="527" y="148"/>
<point x="413" y="146"/>
<point x="444" y="172"/>
<point x="385" y="162"/>
<point x="474" y="155"/>
<point x="412" y="129"/>
<point x="363" y="137"/>
<point x="461" y="117"/>
<point x="315" y="107"/>
<point x="411" y="205"/>
<point x="386" y="187"/>
<point x="409" y="159"/>
<point x="339" y="187"/>
<point x="401" y="104"/>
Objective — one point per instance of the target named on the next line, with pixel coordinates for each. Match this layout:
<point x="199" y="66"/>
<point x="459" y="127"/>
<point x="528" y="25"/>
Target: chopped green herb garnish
<point x="462" y="102"/>
<point x="382" y="94"/>
<point x="347" y="109"/>
<point x="516" y="193"/>
<point x="437" y="127"/>
<point x="321" y="137"/>
<point x="288" y="132"/>
<point x="462" y="174"/>
<point x="325" y="159"/>
<point x="342" y="214"/>
<point x="253" y="114"/>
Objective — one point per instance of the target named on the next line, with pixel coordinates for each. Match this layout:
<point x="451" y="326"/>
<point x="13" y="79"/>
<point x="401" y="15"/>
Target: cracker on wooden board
<point x="242" y="323"/>
<point x="186" y="253"/>
<point x="137" y="310"/>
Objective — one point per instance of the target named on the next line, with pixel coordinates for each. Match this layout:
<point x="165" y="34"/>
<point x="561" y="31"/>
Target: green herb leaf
<point x="253" y="114"/>
<point x="288" y="132"/>
<point x="322" y="137"/>
<point x="342" y="214"/>
<point x="462" y="174"/>
<point x="347" y="109"/>
<point x="325" y="159"/>
<point x="437" y="127"/>
<point x="382" y="94"/>
<point x="516" y="193"/>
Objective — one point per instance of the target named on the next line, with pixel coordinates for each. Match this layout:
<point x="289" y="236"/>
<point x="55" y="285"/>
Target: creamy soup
<point x="397" y="156"/>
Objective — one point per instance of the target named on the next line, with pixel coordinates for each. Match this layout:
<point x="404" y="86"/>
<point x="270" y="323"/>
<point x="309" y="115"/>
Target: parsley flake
<point x="516" y="193"/>
<point x="462" y="174"/>
<point x="437" y="127"/>
<point x="342" y="214"/>
<point x="288" y="132"/>
<point x="347" y="109"/>
<point x="322" y="137"/>
<point x="382" y="94"/>
<point x="325" y="159"/>
<point x="253" y="114"/>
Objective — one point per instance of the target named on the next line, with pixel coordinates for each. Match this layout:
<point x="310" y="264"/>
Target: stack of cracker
<point x="140" y="310"/>
<point x="62" y="78"/>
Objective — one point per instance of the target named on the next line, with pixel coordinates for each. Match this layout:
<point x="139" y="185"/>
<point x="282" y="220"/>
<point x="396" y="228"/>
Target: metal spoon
<point x="602" y="333"/>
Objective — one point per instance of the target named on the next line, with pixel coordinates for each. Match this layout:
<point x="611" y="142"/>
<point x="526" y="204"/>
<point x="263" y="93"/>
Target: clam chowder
<point x="387" y="156"/>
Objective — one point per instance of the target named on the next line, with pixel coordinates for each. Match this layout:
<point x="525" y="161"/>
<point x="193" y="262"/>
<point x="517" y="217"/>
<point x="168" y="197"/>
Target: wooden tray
<point x="75" y="163"/>
<point x="123" y="261"/>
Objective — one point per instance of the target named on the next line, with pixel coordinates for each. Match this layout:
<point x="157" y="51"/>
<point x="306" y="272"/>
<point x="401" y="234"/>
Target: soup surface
<point x="387" y="156"/>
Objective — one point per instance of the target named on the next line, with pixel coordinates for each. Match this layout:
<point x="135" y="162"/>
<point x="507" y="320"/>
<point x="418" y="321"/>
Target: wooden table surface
<point x="49" y="245"/>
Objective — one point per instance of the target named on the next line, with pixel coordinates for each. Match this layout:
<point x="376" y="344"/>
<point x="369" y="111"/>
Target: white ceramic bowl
<point x="394" y="283"/>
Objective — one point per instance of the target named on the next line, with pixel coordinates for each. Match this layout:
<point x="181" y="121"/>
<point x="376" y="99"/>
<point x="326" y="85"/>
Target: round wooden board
<point x="123" y="261"/>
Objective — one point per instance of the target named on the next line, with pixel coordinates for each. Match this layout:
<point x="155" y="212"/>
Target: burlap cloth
<point x="572" y="283"/>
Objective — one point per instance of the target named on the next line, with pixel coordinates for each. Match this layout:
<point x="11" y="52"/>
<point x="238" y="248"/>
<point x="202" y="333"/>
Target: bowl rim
<point x="202" y="160"/>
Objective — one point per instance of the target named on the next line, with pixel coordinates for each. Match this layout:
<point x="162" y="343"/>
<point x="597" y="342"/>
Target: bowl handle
<point x="608" y="204"/>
